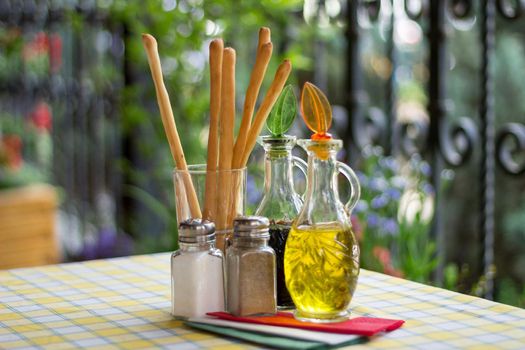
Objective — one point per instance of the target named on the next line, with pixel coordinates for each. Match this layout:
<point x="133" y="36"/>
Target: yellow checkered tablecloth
<point x="124" y="303"/>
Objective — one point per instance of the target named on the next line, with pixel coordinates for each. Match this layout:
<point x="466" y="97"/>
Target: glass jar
<point x="213" y="199"/>
<point x="250" y="269"/>
<point x="280" y="204"/>
<point x="197" y="273"/>
<point x="322" y="255"/>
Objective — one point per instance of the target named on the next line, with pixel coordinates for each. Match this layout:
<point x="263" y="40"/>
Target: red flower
<point x="45" y="44"/>
<point x="357" y="228"/>
<point x="36" y="47"/>
<point x="41" y="116"/>
<point x="383" y="256"/>
<point x="55" y="52"/>
<point x="12" y="145"/>
<point x="41" y="42"/>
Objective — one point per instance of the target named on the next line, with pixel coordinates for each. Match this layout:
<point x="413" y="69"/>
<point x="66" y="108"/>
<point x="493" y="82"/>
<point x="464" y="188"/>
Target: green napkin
<point x="269" y="340"/>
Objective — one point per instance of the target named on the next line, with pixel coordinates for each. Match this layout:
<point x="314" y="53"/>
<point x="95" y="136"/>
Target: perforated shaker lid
<point x="196" y="231"/>
<point x="251" y="226"/>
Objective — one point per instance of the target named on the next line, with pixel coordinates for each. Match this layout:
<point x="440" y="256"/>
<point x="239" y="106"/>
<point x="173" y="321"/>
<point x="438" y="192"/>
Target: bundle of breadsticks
<point x="226" y="154"/>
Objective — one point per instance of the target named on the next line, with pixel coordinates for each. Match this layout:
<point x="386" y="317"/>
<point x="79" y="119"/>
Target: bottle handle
<point x="302" y="166"/>
<point x="354" y="185"/>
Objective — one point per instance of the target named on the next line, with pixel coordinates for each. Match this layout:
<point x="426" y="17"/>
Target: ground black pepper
<point x="250" y="264"/>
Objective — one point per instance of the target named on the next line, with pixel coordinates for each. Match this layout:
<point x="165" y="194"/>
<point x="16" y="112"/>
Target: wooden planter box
<point x="27" y="226"/>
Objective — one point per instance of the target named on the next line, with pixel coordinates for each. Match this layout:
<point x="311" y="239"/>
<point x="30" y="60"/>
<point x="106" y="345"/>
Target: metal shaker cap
<point x="251" y="226"/>
<point x="196" y="231"/>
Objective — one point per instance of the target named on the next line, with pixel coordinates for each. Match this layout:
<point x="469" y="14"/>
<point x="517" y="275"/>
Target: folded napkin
<point x="262" y="339"/>
<point x="366" y="326"/>
<point x="319" y="337"/>
<point x="277" y="337"/>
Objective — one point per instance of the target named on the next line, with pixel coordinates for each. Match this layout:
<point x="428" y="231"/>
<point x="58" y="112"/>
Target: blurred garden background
<point x="78" y="112"/>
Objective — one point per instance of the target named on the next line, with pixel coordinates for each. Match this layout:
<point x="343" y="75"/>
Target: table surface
<point x="125" y="303"/>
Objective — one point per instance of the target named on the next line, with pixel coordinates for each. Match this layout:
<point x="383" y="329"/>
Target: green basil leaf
<point x="283" y="112"/>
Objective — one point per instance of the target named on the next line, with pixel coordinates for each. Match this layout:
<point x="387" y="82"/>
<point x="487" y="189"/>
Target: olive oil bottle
<point x="321" y="260"/>
<point x="322" y="270"/>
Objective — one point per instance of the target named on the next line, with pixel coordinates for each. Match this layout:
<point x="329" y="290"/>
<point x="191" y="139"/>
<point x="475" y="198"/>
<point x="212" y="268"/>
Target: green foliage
<point x="450" y="276"/>
<point x="515" y="223"/>
<point x="161" y="212"/>
<point x="511" y="293"/>
<point x="416" y="251"/>
<point x="283" y="112"/>
<point x="27" y="174"/>
<point x="394" y="215"/>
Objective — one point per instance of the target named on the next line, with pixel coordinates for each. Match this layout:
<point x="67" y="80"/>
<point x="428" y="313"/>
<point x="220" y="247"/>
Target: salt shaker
<point x="197" y="274"/>
<point x="250" y="261"/>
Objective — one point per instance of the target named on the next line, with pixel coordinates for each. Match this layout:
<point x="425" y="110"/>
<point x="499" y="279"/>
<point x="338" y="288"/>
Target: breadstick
<point x="259" y="70"/>
<point x="264" y="53"/>
<point x="163" y="100"/>
<point x="226" y="126"/>
<point x="264" y="37"/>
<point x="210" y="196"/>
<point x="269" y="100"/>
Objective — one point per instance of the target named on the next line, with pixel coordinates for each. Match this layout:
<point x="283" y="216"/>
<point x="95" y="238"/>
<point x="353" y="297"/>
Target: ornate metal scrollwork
<point x="416" y="8"/>
<point x="460" y="9"/>
<point x="457" y="140"/>
<point x="372" y="8"/>
<point x="412" y="137"/>
<point x="510" y="9"/>
<point x="369" y="128"/>
<point x="510" y="141"/>
<point x="461" y="13"/>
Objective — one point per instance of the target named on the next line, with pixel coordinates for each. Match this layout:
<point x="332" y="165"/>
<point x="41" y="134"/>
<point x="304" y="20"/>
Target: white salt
<point x="197" y="283"/>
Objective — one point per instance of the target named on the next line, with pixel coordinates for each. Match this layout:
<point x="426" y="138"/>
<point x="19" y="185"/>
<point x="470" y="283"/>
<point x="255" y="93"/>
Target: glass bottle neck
<point x="196" y="247"/>
<point x="278" y="171"/>
<point x="322" y="178"/>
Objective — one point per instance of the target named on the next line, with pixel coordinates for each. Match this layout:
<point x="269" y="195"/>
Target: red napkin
<point x="367" y="326"/>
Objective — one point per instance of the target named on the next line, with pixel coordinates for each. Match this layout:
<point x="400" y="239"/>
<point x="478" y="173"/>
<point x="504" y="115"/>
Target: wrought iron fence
<point x="446" y="140"/>
<point x="83" y="55"/>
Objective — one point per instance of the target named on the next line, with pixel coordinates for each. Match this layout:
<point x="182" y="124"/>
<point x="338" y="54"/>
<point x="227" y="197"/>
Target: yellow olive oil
<point x="321" y="265"/>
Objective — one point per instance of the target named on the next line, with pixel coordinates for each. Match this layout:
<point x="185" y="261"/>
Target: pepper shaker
<point x="250" y="261"/>
<point x="197" y="273"/>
